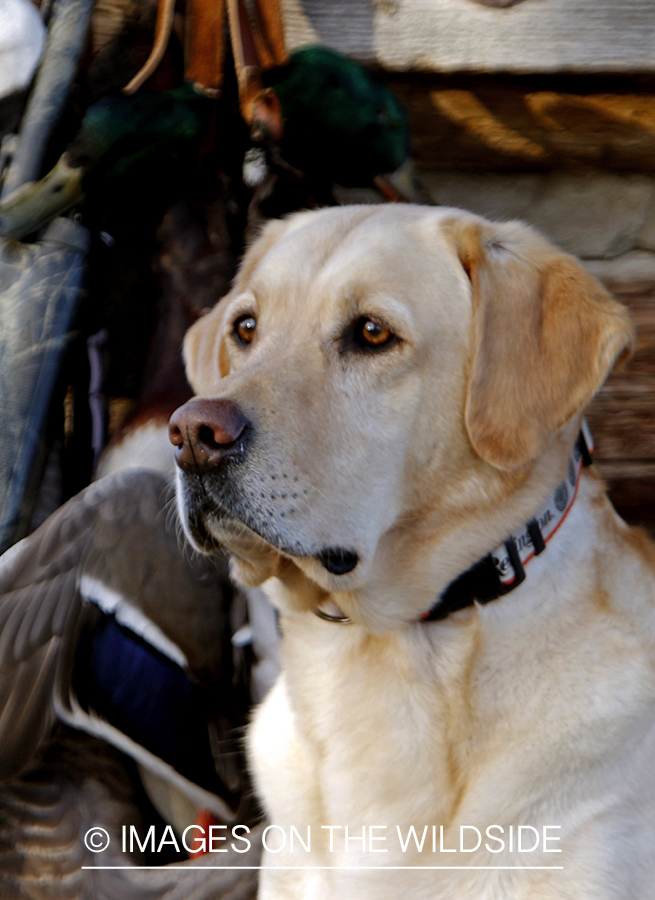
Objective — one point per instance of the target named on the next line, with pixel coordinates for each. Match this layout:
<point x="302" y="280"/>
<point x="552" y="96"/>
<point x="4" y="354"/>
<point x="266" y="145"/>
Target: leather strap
<point x="257" y="45"/>
<point x="204" y="45"/>
<point x="257" y="37"/>
<point x="165" y="13"/>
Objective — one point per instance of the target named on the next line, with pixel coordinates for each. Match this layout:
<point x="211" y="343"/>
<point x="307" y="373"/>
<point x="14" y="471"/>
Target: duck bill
<point x="32" y="206"/>
<point x="403" y="186"/>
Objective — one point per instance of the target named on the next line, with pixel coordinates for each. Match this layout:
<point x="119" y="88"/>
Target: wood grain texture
<point x="622" y="421"/>
<point x="459" y="35"/>
<point x="496" y="123"/>
<point x="631" y="488"/>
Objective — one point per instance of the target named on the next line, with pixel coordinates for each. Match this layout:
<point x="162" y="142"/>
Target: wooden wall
<point x="622" y="421"/>
<point x="466" y="35"/>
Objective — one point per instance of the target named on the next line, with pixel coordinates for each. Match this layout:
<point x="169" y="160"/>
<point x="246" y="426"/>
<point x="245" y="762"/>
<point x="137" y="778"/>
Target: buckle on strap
<point x="517" y="565"/>
<point x="536" y="537"/>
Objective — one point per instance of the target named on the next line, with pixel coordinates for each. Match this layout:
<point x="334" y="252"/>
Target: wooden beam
<point x="541" y="123"/>
<point x="461" y="35"/>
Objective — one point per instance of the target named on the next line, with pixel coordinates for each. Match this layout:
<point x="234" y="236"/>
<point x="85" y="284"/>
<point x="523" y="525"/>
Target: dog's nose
<point x="204" y="432"/>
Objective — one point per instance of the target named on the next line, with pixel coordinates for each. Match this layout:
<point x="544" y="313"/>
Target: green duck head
<point x="117" y="133"/>
<point x="341" y="123"/>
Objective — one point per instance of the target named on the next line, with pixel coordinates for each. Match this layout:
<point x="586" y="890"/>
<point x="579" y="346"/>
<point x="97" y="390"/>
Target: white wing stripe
<point x="111" y="602"/>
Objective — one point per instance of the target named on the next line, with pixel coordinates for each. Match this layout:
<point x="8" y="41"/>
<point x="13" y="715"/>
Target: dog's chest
<point x="370" y="744"/>
<point x="363" y="734"/>
<point x="396" y="733"/>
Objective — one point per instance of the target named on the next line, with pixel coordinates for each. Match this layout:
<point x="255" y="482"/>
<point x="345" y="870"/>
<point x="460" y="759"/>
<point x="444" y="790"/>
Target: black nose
<point x="205" y="432"/>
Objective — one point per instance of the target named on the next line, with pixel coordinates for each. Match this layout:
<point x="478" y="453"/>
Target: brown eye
<point x="244" y="328"/>
<point x="370" y="333"/>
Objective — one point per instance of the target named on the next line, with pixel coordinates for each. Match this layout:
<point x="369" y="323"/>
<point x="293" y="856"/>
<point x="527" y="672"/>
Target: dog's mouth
<point x="337" y="560"/>
<point x="199" y="533"/>
<point x="213" y="527"/>
<point x="227" y="529"/>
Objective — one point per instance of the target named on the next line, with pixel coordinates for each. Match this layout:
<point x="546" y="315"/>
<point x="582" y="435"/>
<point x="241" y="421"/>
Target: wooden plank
<point x="631" y="489"/>
<point x="542" y="123"/>
<point x="621" y="415"/>
<point x="637" y="377"/>
<point x="623" y="426"/>
<point x="463" y="35"/>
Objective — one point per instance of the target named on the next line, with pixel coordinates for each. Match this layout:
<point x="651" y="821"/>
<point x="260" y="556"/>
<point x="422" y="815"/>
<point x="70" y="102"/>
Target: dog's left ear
<point x="200" y="351"/>
<point x="205" y="355"/>
<point x="545" y="337"/>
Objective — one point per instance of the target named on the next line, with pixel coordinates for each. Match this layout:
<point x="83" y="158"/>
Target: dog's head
<point x="383" y="395"/>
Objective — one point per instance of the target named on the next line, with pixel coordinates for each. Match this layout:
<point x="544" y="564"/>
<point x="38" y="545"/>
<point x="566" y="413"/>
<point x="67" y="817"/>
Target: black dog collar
<point x="502" y="570"/>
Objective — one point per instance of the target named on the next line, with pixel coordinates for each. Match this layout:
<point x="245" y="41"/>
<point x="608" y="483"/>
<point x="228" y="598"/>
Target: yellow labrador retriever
<point x="388" y="434"/>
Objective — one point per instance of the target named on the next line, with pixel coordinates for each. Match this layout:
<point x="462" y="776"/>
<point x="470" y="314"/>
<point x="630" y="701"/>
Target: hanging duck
<point x="121" y="141"/>
<point x="318" y="117"/>
<point x="341" y="124"/>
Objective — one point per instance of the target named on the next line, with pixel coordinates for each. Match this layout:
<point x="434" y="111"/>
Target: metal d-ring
<point x="339" y="620"/>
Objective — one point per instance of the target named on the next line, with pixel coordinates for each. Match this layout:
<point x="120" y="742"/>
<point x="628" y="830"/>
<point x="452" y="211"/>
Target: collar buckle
<point x="517" y="565"/>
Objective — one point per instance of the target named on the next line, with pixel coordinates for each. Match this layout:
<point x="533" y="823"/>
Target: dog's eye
<point x="372" y="335"/>
<point x="244" y="328"/>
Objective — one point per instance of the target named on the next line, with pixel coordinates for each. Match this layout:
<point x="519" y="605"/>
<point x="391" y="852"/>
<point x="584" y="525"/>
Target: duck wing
<point x="111" y="555"/>
<point x="40" y="611"/>
<point x="82" y="783"/>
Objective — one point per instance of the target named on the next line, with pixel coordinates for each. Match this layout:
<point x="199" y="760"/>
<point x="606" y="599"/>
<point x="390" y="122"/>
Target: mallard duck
<point x="124" y="145"/>
<point x="109" y="626"/>
<point x="341" y="123"/>
<point x="103" y="587"/>
<point x="338" y="125"/>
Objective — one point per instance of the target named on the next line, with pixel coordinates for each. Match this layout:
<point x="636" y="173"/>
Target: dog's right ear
<point x="545" y="337"/>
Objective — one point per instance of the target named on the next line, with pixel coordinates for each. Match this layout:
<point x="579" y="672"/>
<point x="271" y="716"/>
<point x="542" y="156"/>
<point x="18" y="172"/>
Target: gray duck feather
<point x="117" y="539"/>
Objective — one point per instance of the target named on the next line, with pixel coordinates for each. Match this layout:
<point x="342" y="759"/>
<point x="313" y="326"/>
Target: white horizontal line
<point x="339" y="868"/>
